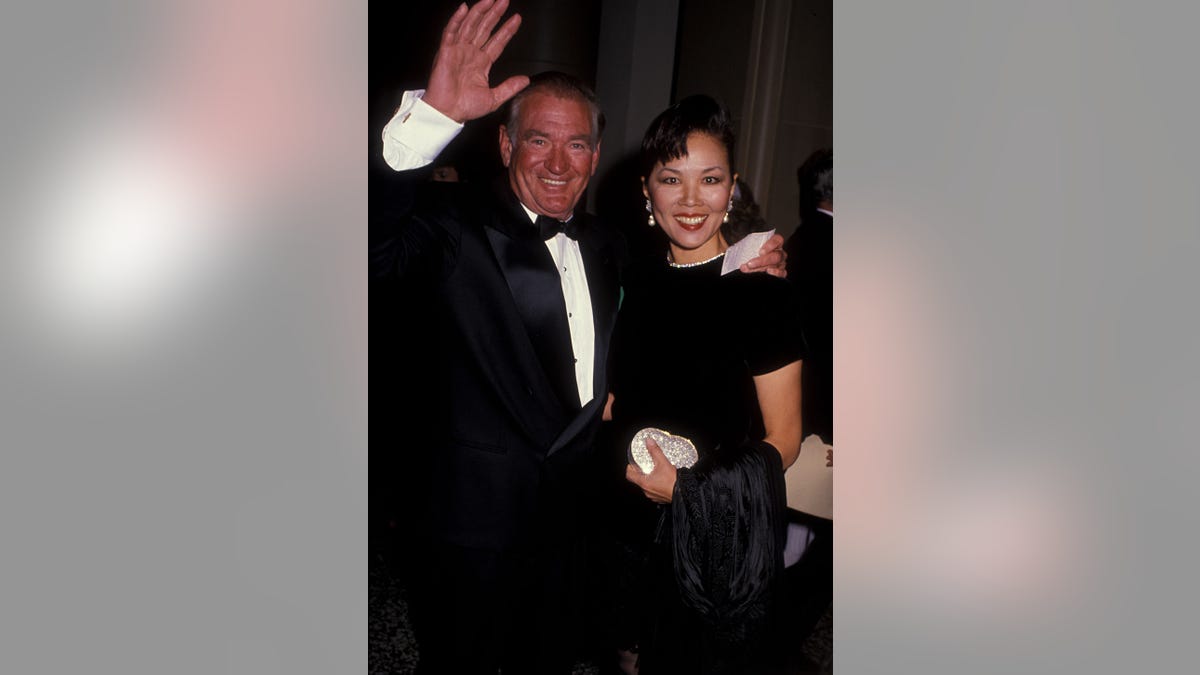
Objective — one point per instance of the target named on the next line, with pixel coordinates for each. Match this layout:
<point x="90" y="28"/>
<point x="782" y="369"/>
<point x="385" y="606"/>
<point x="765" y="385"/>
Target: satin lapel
<point x="537" y="294"/>
<point x="577" y="424"/>
<point x="603" y="286"/>
<point x="601" y="272"/>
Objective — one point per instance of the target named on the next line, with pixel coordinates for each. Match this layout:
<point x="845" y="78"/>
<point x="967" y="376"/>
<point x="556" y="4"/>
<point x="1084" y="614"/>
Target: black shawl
<point x="729" y="528"/>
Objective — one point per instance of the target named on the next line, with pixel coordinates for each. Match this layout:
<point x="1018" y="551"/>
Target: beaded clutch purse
<point x="679" y="450"/>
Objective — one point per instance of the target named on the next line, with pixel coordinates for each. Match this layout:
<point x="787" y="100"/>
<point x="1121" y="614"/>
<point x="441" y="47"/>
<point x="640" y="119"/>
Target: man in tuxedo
<point x="525" y="293"/>
<point x="810" y="263"/>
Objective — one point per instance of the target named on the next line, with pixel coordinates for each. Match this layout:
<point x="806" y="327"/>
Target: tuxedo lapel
<point x="600" y="268"/>
<point x="536" y="291"/>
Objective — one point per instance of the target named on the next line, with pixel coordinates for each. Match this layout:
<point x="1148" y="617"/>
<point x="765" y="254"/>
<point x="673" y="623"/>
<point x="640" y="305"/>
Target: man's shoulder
<point x="451" y="196"/>
<point x="463" y="203"/>
<point x="598" y="225"/>
<point x="602" y="235"/>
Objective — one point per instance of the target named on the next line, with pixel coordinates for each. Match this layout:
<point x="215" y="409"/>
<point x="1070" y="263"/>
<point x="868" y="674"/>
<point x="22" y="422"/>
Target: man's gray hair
<point x="560" y="85"/>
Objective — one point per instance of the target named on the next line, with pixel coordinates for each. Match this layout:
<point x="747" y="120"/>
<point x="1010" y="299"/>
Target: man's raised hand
<point x="458" y="86"/>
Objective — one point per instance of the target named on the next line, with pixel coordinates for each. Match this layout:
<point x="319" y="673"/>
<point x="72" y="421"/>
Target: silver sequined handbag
<point x="680" y="451"/>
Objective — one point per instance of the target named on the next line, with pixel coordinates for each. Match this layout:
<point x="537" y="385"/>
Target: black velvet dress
<point x="694" y="579"/>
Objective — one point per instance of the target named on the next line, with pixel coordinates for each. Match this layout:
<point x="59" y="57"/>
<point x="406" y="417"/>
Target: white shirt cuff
<point x="417" y="133"/>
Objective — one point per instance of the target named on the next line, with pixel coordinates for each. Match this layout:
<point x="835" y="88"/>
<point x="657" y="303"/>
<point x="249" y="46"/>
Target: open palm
<point x="458" y="86"/>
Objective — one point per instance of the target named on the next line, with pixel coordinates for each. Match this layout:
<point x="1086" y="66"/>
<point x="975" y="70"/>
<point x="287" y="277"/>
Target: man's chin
<point x="556" y="209"/>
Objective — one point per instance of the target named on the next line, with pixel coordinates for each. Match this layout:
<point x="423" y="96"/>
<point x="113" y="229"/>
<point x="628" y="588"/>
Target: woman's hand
<point x="659" y="484"/>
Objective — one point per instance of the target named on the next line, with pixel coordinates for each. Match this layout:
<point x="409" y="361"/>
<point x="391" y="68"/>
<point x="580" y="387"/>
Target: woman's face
<point x="689" y="196"/>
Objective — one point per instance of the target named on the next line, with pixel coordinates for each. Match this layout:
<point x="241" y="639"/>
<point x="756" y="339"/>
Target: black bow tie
<point x="548" y="227"/>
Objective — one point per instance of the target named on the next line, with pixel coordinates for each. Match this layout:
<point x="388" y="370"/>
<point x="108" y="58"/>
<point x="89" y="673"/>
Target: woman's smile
<point x="690" y="222"/>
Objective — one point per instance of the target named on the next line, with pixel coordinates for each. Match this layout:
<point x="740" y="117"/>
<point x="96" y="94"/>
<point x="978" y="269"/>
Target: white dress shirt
<point x="413" y="138"/>
<point x="569" y="264"/>
<point x="417" y="133"/>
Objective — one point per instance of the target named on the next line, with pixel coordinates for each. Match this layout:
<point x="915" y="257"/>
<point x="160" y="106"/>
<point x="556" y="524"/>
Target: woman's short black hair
<point x="666" y="139"/>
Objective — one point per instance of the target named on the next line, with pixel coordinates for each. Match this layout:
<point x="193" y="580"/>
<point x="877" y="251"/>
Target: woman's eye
<point x="670" y="180"/>
<point x="712" y="180"/>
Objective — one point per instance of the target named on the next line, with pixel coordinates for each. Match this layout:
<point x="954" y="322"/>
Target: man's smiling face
<point x="551" y="156"/>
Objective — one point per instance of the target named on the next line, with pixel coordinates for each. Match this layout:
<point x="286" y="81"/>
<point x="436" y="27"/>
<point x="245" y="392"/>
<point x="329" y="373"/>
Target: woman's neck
<point x="709" y="250"/>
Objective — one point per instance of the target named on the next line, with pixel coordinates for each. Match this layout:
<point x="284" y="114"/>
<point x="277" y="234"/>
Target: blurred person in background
<point x="445" y="173"/>
<point x="810" y="269"/>
<point x="808" y="582"/>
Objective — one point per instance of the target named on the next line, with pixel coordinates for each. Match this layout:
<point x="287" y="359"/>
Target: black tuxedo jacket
<point x="512" y="444"/>
<point x="810" y="269"/>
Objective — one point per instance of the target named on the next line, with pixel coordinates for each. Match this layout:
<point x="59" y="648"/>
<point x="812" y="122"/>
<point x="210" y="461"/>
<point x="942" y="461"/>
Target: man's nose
<point x="557" y="161"/>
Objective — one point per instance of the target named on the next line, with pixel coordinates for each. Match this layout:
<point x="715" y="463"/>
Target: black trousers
<point x="477" y="611"/>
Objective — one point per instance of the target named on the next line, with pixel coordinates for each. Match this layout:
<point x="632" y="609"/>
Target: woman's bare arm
<point x="779" y="400"/>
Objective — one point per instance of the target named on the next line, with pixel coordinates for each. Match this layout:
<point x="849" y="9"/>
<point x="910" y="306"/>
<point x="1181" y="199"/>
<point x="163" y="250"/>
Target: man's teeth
<point x="548" y="181"/>
<point x="694" y="220"/>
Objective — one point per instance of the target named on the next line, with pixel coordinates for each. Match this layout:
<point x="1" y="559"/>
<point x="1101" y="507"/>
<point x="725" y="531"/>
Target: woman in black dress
<point x="716" y="359"/>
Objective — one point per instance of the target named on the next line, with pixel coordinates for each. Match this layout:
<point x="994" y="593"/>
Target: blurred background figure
<point x="810" y="268"/>
<point x="745" y="217"/>
<point x="808" y="579"/>
<point x="445" y="173"/>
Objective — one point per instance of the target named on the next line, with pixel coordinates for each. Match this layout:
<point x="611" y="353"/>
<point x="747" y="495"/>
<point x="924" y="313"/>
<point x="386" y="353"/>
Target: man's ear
<point x="506" y="147"/>
<point x="595" y="158"/>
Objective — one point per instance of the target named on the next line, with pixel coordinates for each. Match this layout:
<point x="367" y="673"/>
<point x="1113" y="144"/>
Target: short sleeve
<point x="770" y="313"/>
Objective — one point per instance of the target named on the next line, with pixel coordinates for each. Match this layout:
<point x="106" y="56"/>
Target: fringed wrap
<point x="729" y="529"/>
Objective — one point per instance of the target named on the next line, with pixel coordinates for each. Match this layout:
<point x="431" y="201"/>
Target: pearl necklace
<point x="676" y="265"/>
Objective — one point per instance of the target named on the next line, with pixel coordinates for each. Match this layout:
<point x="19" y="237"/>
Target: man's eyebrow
<point x="534" y="133"/>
